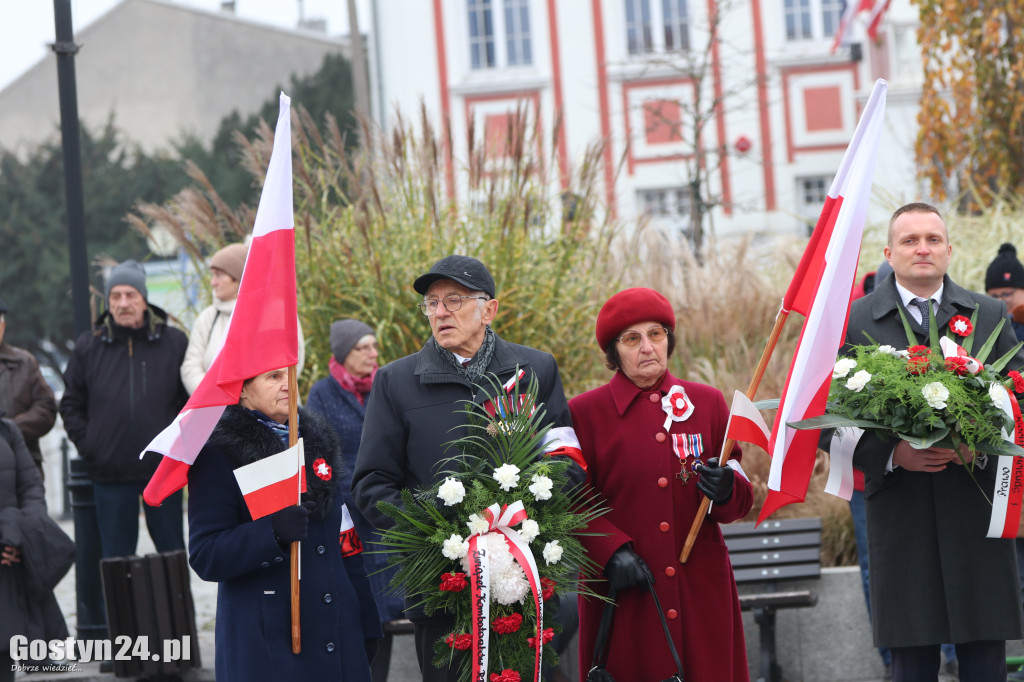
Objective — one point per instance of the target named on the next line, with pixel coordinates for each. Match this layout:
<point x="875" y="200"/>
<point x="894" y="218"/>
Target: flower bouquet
<point x="935" y="395"/>
<point x="494" y="540"/>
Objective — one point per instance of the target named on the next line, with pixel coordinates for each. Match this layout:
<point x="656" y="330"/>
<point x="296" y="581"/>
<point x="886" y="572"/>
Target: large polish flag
<point x="821" y="290"/>
<point x="262" y="334"/>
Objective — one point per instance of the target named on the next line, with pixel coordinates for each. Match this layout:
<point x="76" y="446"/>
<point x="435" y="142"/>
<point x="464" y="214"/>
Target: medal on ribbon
<point x="688" y="448"/>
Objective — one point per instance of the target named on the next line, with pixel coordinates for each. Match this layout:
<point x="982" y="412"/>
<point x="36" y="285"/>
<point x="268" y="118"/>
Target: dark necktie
<point x="925" y="306"/>
<point x="465" y="363"/>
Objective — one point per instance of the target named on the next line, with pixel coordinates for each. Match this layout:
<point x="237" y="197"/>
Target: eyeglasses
<point x="1004" y="295"/>
<point x="452" y="303"/>
<point x="631" y="339"/>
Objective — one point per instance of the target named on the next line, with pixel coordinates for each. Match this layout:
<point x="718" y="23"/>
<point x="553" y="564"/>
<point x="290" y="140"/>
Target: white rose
<point x="888" y="350"/>
<point x="451" y="491"/>
<point x="454" y="548"/>
<point x="529" y="529"/>
<point x="936" y="394"/>
<point x="552" y="552"/>
<point x="541" y="487"/>
<point x="843" y="367"/>
<point x="997" y="392"/>
<point x="507" y="476"/>
<point x="478" y="524"/>
<point x="858" y="381"/>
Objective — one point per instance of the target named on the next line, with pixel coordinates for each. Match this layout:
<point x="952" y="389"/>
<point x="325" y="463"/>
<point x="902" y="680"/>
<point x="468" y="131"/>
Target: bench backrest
<point x="786" y="549"/>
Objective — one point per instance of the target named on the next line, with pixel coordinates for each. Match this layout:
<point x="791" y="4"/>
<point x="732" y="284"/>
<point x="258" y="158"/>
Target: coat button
<point x="672" y="614"/>
<point x="663" y="526"/>
<point x="655" y="398"/>
<point x="320" y="549"/>
<point x="662" y="482"/>
<point x="670" y="571"/>
<point x="328" y="598"/>
<point x="330" y="645"/>
<point x="278" y="559"/>
<point x="660" y="437"/>
<point x="265" y="564"/>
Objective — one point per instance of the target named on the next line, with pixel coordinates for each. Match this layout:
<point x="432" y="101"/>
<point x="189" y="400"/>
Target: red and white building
<point x="616" y="70"/>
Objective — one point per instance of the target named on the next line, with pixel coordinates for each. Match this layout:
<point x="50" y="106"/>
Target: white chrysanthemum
<point x="843" y="367"/>
<point x="451" y="491"/>
<point x="888" y="350"/>
<point x="477" y="524"/>
<point x="997" y="392"/>
<point x="858" y="381"/>
<point x="529" y="529"/>
<point x="935" y="393"/>
<point x="455" y="548"/>
<point x="508" y="581"/>
<point x="552" y="552"/>
<point x="541" y="487"/>
<point x="507" y="476"/>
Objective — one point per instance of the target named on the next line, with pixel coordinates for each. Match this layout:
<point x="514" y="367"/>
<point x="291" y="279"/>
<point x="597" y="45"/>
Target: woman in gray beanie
<point x="210" y="326"/>
<point x="341" y="399"/>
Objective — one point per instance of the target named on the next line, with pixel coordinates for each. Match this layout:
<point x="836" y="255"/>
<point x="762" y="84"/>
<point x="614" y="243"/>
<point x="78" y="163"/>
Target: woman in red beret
<point x="651" y="442"/>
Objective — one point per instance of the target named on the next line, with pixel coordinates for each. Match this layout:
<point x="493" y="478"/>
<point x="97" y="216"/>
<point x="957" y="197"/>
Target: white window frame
<point x="500" y="34"/>
<point x="810" y="209"/>
<point x="674" y="209"/>
<point x="816" y="8"/>
<point x="656" y="10"/>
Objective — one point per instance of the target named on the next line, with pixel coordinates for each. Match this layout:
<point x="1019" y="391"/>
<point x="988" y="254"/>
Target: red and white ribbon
<point x="1006" y="498"/>
<point x="950" y="349"/>
<point x="501" y="521"/>
<point x="496" y="406"/>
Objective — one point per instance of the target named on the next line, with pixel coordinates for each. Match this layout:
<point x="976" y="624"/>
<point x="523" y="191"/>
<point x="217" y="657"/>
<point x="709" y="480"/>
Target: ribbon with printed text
<point x="1009" y="489"/>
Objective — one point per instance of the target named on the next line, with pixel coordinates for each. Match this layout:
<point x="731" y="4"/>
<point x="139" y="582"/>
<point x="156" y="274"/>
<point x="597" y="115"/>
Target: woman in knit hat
<point x="210" y="326"/>
<point x="341" y="399"/>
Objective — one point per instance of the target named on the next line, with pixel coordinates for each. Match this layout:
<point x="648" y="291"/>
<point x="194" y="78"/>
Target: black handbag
<point x="597" y="672"/>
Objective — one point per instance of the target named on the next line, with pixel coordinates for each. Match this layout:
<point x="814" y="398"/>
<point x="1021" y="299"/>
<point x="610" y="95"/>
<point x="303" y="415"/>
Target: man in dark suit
<point x="935" y="577"/>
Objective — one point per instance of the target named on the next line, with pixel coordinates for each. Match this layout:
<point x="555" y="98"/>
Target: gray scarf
<point x="474" y="371"/>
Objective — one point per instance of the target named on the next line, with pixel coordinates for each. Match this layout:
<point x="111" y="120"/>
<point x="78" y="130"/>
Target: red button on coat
<point x="670" y="571"/>
<point x="662" y="482"/>
<point x="660" y="437"/>
<point x="672" y="614"/>
<point x="655" y="398"/>
<point x="664" y="526"/>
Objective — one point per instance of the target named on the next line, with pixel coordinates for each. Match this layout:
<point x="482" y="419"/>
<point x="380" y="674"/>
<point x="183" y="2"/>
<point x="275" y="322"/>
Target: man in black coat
<point x="417" y="405"/>
<point x="122" y="387"/>
<point x="935" y="577"/>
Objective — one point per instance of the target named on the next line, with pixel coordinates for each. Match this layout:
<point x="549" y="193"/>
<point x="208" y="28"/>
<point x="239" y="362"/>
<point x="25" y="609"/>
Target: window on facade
<point x="811" y="194"/>
<point x="812" y="19"/>
<point x="677" y="33"/>
<point x="481" y="34"/>
<point x="667" y="207"/>
<point x="639" y="37"/>
<point x="659" y="26"/>
<point x="517" y="32"/>
<point x="499" y="33"/>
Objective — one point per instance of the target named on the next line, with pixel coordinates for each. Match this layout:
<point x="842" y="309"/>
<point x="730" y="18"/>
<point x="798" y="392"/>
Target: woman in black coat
<point x="249" y="558"/>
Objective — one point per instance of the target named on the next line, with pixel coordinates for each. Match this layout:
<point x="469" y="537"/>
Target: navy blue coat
<point x="345" y="414"/>
<point x="253" y="630"/>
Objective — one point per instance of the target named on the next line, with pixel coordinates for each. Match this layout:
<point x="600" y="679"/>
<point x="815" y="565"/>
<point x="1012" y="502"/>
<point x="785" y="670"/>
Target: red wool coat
<point x="632" y="464"/>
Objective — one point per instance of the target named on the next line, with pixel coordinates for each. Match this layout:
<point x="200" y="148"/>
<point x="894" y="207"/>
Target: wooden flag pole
<point x="762" y="365"/>
<point x="293" y="438"/>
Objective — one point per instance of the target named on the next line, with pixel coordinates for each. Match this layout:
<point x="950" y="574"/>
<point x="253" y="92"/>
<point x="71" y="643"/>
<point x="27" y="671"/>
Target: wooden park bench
<point x="776" y="551"/>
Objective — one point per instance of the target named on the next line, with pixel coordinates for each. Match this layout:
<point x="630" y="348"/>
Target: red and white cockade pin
<point x="322" y="469"/>
<point x="677" y="406"/>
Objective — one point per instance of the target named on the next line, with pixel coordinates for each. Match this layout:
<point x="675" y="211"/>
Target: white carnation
<point x="452" y="492"/>
<point x="478" y="524"/>
<point x="541" y="487"/>
<point x="843" y="367"/>
<point x="455" y="548"/>
<point x="935" y="393"/>
<point x="888" y="350"/>
<point x="552" y="552"/>
<point x="858" y="381"/>
<point x="507" y="476"/>
<point x="529" y="529"/>
<point x="997" y="392"/>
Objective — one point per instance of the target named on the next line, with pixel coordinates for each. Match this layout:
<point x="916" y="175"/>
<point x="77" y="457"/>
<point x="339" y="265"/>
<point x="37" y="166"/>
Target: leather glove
<point x="626" y="569"/>
<point x="291" y="524"/>
<point x="715" y="481"/>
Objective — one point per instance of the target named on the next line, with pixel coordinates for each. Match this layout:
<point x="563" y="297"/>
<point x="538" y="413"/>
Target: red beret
<point x="629" y="307"/>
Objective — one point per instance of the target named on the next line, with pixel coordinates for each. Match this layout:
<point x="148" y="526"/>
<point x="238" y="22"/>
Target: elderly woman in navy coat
<point x="340" y="624"/>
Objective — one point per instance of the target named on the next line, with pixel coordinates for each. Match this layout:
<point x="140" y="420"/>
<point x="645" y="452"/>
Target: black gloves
<point x="715" y="481"/>
<point x="291" y="524"/>
<point x="626" y="569"/>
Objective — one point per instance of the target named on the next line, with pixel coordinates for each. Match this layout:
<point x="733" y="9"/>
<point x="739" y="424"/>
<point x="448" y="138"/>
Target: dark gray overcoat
<point x="935" y="577"/>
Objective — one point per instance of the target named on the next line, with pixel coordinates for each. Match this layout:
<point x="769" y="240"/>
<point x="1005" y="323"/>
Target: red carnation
<point x="506" y="675"/>
<point x="548" y="585"/>
<point x="917" y="364"/>
<point x="453" y="582"/>
<point x="957" y="365"/>
<point x="961" y="326"/>
<point x="507" y="624"/>
<point x="548" y="635"/>
<point x="1018" y="381"/>
<point x="919" y="350"/>
<point x="460" y="642"/>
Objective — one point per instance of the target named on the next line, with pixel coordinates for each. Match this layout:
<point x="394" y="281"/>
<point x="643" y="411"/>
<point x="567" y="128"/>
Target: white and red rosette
<point x="677" y="406"/>
<point x="501" y="521"/>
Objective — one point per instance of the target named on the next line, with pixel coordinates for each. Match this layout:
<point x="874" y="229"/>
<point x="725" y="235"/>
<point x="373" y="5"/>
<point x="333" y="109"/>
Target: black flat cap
<point x="467" y="271"/>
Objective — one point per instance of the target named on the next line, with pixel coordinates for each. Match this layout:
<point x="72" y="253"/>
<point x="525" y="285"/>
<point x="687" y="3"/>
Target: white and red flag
<point x="262" y="334"/>
<point x="746" y="424"/>
<point x="821" y="290"/>
<point x="875" y="17"/>
<point x="850" y="10"/>
<point x="272" y="483"/>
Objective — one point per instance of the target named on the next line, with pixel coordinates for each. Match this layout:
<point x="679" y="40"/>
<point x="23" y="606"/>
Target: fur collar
<point x="245" y="440"/>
